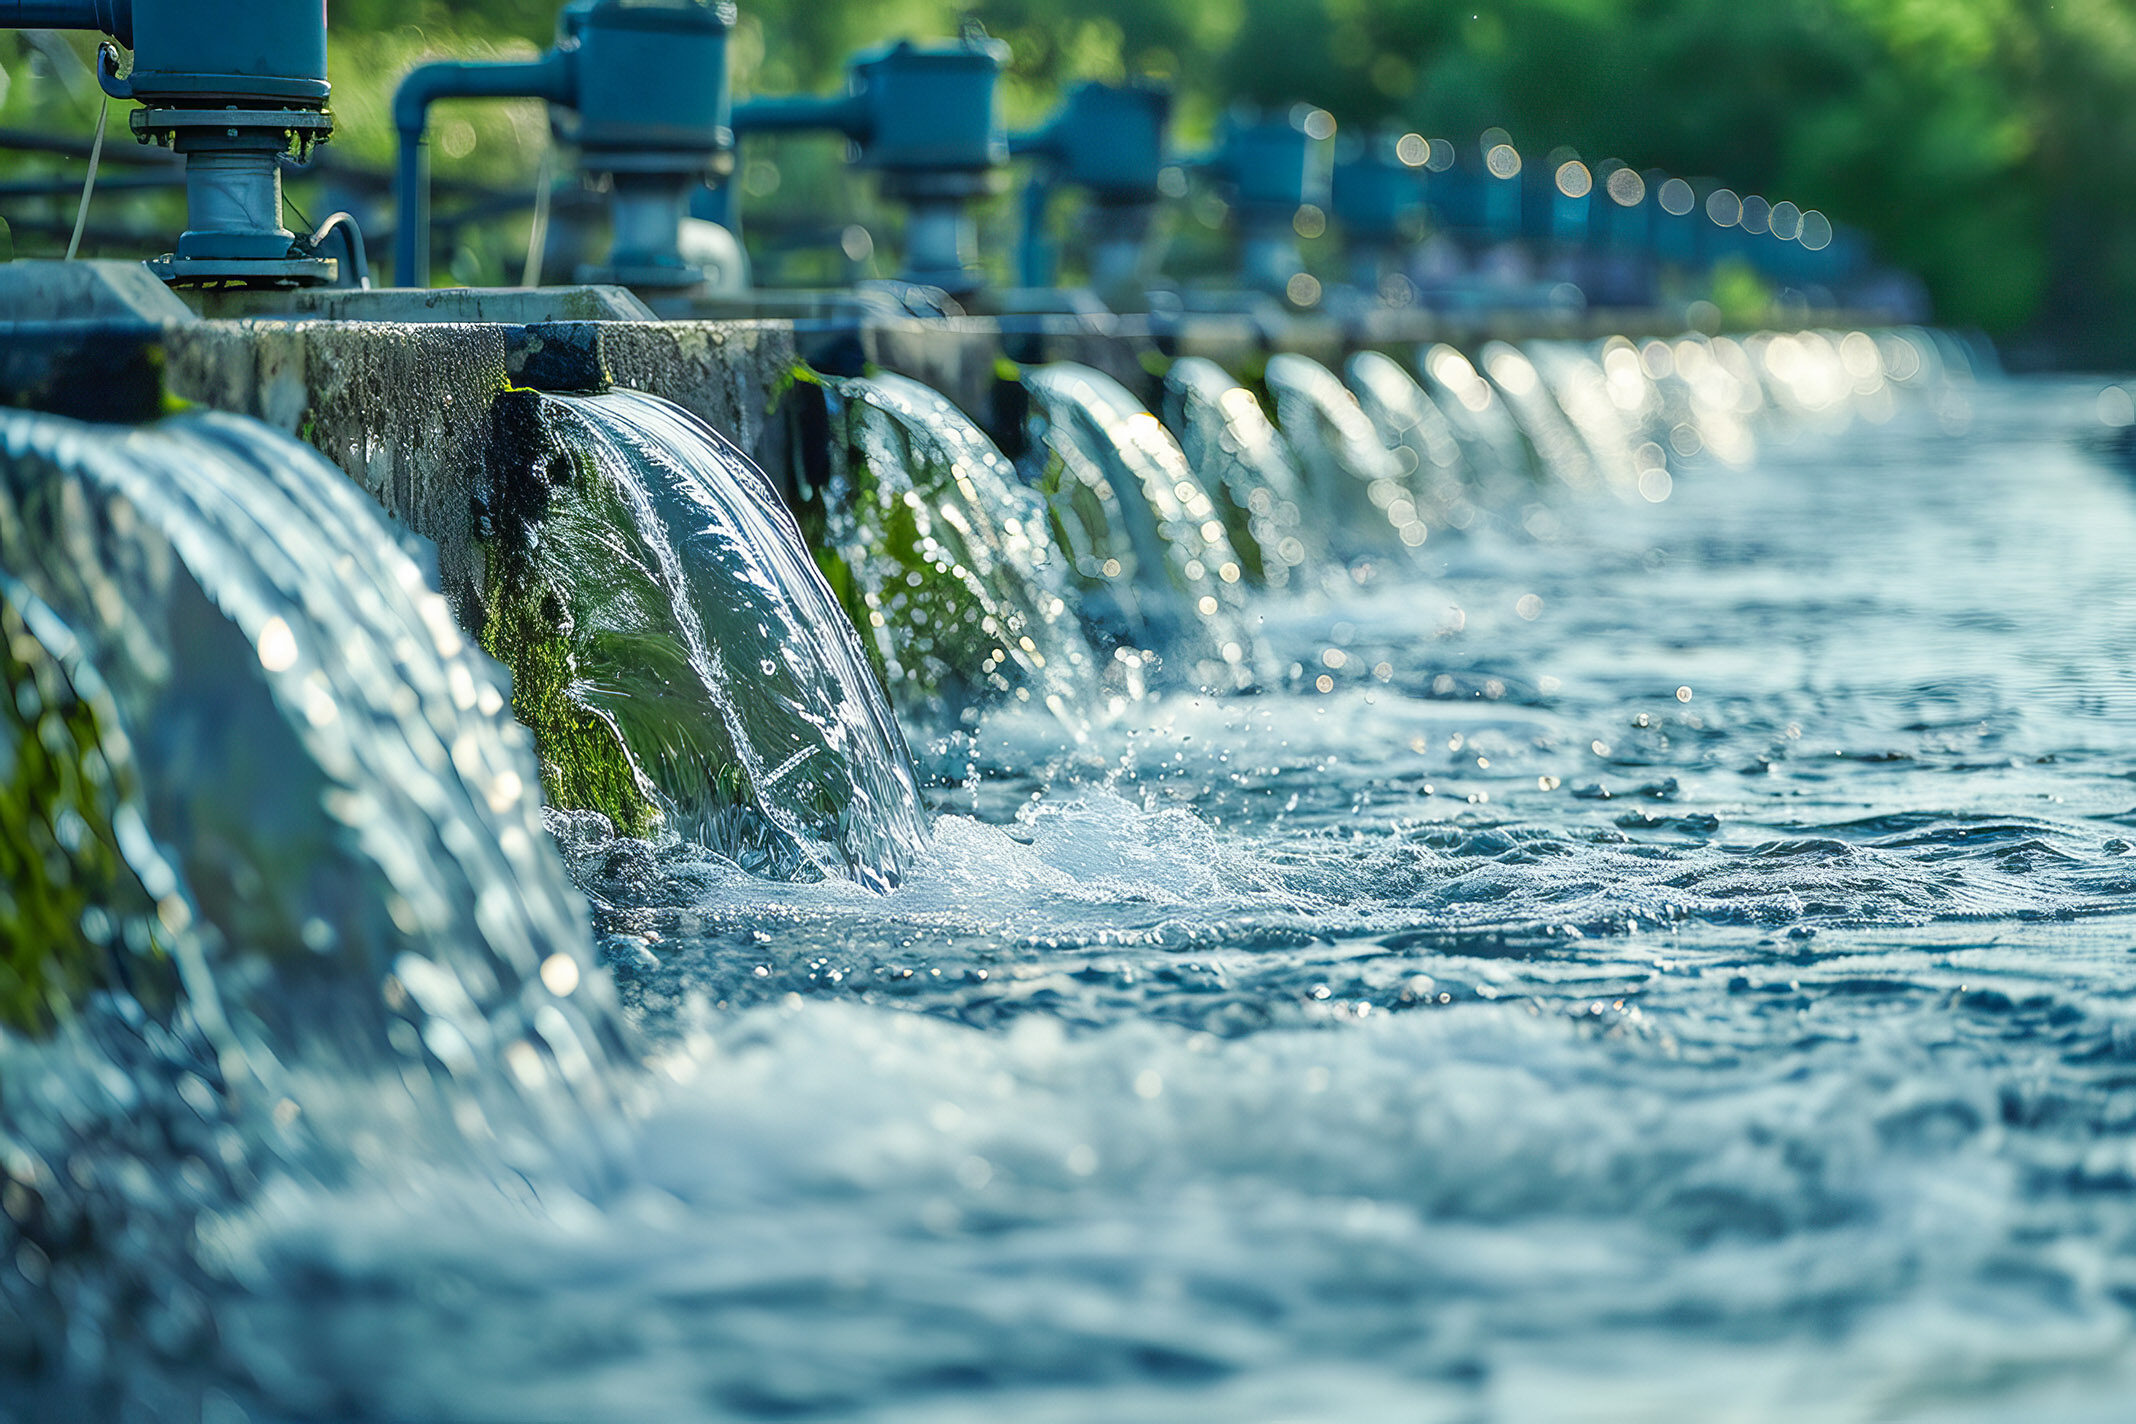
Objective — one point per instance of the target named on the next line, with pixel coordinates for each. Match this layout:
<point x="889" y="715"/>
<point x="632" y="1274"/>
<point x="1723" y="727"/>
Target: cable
<point x="356" y="267"/>
<point x="96" y="155"/>
<point x="538" y="234"/>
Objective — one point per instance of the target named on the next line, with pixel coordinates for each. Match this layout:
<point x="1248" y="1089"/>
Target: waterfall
<point x="941" y="556"/>
<point x="680" y="659"/>
<point x="1496" y="447"/>
<point x="1355" y="474"/>
<point x="1409" y="422"/>
<point x="1157" y="570"/>
<point x="1535" y="410"/>
<point x="277" y="891"/>
<point x="292" y="762"/>
<point x="1246" y="469"/>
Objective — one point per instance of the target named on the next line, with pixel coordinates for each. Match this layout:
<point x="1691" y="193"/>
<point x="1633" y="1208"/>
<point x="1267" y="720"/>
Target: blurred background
<point x="1988" y="146"/>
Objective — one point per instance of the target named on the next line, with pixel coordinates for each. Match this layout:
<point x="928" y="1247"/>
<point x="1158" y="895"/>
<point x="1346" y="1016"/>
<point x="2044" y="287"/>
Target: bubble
<point x="1626" y="188"/>
<point x="1442" y="156"/>
<point x="1785" y="222"/>
<point x="1816" y="232"/>
<point x="2117" y="408"/>
<point x="1318" y="124"/>
<point x="1413" y="150"/>
<point x="1303" y="289"/>
<point x="1502" y="160"/>
<point x="1724" y="207"/>
<point x="1573" y="179"/>
<point x="1756" y="215"/>
<point x="1309" y="221"/>
<point x="1676" y="197"/>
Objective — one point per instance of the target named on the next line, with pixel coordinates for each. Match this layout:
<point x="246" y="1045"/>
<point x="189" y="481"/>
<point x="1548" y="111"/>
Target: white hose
<point x="538" y="235"/>
<point x="96" y="156"/>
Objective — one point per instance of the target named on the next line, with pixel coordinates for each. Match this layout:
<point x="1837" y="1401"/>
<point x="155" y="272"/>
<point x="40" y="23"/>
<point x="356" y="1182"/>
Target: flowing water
<point x="942" y="556"/>
<point x="1667" y="957"/>
<point x="698" y="635"/>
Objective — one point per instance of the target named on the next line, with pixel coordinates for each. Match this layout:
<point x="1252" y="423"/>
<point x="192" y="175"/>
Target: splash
<point x="942" y="557"/>
<point x="1246" y="469"/>
<point x="676" y="652"/>
<point x="1157" y="571"/>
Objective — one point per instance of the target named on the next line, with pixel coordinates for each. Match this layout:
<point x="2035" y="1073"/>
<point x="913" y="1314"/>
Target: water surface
<point x="1665" y="960"/>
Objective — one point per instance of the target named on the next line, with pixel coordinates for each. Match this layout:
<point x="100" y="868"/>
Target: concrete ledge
<point x="508" y="306"/>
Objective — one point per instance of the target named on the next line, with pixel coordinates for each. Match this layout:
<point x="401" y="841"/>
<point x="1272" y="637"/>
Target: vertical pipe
<point x="411" y="232"/>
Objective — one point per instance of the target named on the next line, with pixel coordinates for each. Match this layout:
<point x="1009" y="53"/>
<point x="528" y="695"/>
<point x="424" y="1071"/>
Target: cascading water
<point x="1157" y="570"/>
<point x="1411" y="425"/>
<point x="1246" y="470"/>
<point x="941" y="556"/>
<point x="676" y="652"/>
<point x="1536" y="410"/>
<point x="323" y="761"/>
<point x="277" y="883"/>
<point x="1630" y="982"/>
<point x="1496" y="447"/>
<point x="1366" y="502"/>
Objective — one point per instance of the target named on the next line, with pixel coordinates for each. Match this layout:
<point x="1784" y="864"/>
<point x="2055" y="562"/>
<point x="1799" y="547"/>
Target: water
<point x="1362" y="488"/>
<point x="942" y="556"/>
<point x="1156" y="573"/>
<point x="1666" y="958"/>
<point x="703" y="660"/>
<point x="1246" y="470"/>
<point x="291" y="899"/>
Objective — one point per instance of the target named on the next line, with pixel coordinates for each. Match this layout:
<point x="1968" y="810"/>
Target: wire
<point x="96" y="156"/>
<point x="538" y="234"/>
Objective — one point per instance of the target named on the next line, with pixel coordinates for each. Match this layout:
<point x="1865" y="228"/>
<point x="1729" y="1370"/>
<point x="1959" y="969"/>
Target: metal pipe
<point x="790" y="113"/>
<point x="552" y="77"/>
<point x="113" y="17"/>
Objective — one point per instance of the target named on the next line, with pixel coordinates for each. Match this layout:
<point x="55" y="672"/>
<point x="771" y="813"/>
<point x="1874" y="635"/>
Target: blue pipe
<point x="113" y="17"/>
<point x="552" y="77"/>
<point x="793" y="113"/>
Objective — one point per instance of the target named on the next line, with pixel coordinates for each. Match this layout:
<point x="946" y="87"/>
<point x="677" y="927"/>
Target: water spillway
<point x="326" y="789"/>
<point x="1604" y="941"/>
<point x="954" y="578"/>
<point x="1246" y="469"/>
<point x="1155" y="564"/>
<point x="677" y="651"/>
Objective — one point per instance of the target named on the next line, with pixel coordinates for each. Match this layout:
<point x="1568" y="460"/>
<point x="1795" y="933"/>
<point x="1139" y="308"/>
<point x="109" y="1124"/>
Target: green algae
<point x="669" y="647"/>
<point x="75" y="916"/>
<point x="938" y="554"/>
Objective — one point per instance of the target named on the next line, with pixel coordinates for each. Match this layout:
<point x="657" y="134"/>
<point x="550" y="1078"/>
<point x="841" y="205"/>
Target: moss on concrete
<point x="74" y="916"/>
<point x="527" y="626"/>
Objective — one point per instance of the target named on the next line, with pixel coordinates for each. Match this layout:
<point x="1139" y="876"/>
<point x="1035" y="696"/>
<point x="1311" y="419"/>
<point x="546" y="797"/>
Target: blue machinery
<point x="641" y="90"/>
<point x="927" y="120"/>
<point x="232" y="92"/>
<point x="1108" y="140"/>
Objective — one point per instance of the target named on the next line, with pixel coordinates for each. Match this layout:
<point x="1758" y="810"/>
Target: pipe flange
<point x="915" y="185"/>
<point x="246" y="272"/>
<point x="689" y="165"/>
<point x="314" y="122"/>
